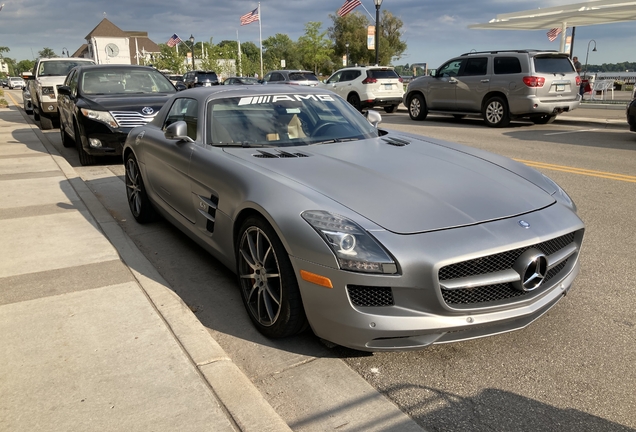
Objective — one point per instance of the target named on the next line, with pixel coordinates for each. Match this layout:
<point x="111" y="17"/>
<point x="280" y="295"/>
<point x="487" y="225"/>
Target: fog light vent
<point x="370" y="296"/>
<point x="94" y="142"/>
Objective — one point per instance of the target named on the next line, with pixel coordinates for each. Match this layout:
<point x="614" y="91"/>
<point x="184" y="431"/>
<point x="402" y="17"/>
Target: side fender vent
<point x="398" y="142"/>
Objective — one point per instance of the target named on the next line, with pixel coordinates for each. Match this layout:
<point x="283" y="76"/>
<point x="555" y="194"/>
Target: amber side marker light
<point x="316" y="279"/>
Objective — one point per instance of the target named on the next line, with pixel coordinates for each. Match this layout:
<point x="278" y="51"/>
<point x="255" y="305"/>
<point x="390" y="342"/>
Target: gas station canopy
<point x="578" y="14"/>
<point x="591" y="12"/>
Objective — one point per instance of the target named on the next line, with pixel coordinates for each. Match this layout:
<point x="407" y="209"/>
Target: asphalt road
<point x="571" y="370"/>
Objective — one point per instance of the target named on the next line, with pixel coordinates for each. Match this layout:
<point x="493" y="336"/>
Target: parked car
<point x="378" y="240"/>
<point x="293" y="77"/>
<point x="200" y="79"/>
<point x="241" y="81"/>
<point x="4" y="81"/>
<point x="631" y="113"/>
<point x="499" y="86"/>
<point x="15" y="83"/>
<point x="100" y="104"/>
<point x="174" y="79"/>
<point x="368" y="86"/>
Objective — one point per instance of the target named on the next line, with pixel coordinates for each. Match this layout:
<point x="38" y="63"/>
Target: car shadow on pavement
<point x="594" y="137"/>
<point x="493" y="410"/>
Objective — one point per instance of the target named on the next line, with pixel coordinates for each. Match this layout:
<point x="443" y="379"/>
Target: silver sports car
<point x="377" y="240"/>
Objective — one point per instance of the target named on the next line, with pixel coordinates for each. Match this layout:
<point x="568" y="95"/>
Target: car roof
<point x="114" y="66"/>
<point x="205" y="93"/>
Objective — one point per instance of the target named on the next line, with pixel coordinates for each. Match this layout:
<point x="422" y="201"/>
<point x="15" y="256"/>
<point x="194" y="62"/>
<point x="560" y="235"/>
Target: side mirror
<point x="64" y="90"/>
<point x="180" y="86"/>
<point x="373" y="117"/>
<point x="178" y="131"/>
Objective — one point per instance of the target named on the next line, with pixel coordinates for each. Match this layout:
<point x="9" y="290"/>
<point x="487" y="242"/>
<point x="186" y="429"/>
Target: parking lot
<point x="570" y="370"/>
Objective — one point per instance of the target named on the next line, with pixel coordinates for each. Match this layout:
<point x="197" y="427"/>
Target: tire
<point x="267" y="281"/>
<point x="496" y="112"/>
<point x="66" y="140"/>
<point x="138" y="201"/>
<point x="36" y="114"/>
<point x="544" y="119"/>
<point x="459" y="116"/>
<point x="354" y="100"/>
<point x="390" y="109"/>
<point x="85" y="158"/>
<point x="417" y="107"/>
<point x="28" y="111"/>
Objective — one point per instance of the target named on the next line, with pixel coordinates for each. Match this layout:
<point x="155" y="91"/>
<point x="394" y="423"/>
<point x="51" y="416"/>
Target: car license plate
<point x="560" y="87"/>
<point x="388" y="86"/>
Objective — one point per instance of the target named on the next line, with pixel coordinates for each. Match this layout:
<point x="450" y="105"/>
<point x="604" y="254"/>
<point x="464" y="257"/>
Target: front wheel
<point x="417" y="107"/>
<point x="66" y="141"/>
<point x="268" y="284"/>
<point x="496" y="112"/>
<point x="84" y="157"/>
<point x="138" y="201"/>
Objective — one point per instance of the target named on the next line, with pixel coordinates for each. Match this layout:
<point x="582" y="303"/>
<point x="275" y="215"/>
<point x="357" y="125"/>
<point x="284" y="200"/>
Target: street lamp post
<point x="192" y="49"/>
<point x="586" y="55"/>
<point x="377" y="3"/>
<point x="347" y="47"/>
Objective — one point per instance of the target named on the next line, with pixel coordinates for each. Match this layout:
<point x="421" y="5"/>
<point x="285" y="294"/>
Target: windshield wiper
<point x="336" y="140"/>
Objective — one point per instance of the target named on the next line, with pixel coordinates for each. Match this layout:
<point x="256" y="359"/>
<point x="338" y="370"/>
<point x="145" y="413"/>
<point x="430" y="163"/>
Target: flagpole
<point x="238" y="42"/>
<point x="260" y="36"/>
<point x="372" y="17"/>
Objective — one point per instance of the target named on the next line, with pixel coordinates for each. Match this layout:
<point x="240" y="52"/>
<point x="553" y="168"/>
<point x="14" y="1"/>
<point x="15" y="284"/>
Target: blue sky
<point x="434" y="30"/>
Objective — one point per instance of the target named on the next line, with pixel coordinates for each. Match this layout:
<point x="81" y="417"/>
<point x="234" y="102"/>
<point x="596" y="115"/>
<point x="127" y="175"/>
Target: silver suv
<point x="499" y="85"/>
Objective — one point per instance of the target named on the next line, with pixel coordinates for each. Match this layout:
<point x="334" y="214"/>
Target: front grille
<point x="129" y="119"/>
<point x="497" y="263"/>
<point x="369" y="296"/>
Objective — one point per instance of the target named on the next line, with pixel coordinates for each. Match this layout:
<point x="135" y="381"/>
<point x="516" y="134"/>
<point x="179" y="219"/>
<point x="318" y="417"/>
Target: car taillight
<point x="532" y="81"/>
<point x="369" y="80"/>
<point x="400" y="79"/>
<point x="578" y="80"/>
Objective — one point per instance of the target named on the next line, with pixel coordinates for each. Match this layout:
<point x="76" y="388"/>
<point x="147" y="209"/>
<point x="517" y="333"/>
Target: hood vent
<point x="278" y="154"/>
<point x="398" y="142"/>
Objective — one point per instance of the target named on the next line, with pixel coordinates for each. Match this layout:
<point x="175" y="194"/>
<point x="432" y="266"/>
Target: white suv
<point x="368" y="86"/>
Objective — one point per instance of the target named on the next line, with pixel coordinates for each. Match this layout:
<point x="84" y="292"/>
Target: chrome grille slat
<point x="131" y="118"/>
<point x="489" y="279"/>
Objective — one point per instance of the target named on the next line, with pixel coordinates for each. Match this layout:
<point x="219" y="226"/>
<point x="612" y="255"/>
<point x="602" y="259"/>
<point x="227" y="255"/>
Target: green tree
<point x="24" y="66"/>
<point x="250" y="59"/>
<point x="47" y="53"/>
<point x="315" y="47"/>
<point x="352" y="28"/>
<point x="280" y="47"/>
<point x="168" y="59"/>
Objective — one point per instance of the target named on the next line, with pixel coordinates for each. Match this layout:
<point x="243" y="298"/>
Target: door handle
<point x="485" y="80"/>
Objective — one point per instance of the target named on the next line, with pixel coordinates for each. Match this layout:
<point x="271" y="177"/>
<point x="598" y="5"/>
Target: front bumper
<point x="419" y="316"/>
<point x="111" y="141"/>
<point x="49" y="109"/>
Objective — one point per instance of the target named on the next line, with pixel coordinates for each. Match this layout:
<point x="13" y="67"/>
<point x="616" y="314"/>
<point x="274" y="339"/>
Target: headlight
<point x="48" y="91"/>
<point x="355" y="248"/>
<point x="560" y="194"/>
<point x="102" y="116"/>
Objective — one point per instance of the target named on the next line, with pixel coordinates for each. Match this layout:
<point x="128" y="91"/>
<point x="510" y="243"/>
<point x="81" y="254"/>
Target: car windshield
<point x="57" y="67"/>
<point x="552" y="65"/>
<point x="280" y="120"/>
<point x="176" y="77"/>
<point x="302" y="76"/>
<point x="125" y="81"/>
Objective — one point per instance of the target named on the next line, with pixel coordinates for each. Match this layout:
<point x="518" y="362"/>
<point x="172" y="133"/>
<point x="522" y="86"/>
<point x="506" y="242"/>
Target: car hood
<point x="128" y="103"/>
<point x="51" y="80"/>
<point x="414" y="188"/>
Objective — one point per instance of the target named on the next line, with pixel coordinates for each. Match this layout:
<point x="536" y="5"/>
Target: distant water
<point x="628" y="77"/>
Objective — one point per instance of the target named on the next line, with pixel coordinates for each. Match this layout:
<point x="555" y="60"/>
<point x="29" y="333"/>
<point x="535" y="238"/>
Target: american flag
<point x="348" y="6"/>
<point x="552" y="34"/>
<point x="249" y="17"/>
<point x="174" y="40"/>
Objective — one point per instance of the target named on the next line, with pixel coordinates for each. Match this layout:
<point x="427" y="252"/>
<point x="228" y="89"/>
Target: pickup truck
<point x="47" y="75"/>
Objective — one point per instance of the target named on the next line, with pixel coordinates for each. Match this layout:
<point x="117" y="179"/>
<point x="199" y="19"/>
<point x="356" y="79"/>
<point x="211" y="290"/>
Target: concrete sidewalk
<point x="92" y="338"/>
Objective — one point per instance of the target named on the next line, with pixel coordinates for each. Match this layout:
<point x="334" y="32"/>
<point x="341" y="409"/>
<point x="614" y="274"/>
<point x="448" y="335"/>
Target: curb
<point x="239" y="398"/>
